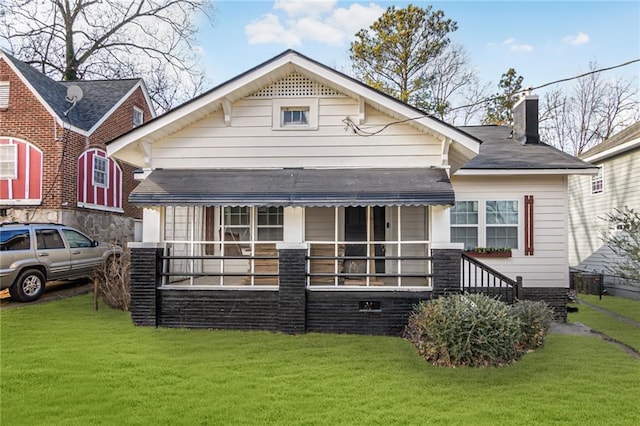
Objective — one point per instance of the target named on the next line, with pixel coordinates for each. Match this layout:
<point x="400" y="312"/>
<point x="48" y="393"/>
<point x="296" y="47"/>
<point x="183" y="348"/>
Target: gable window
<point x="294" y="116"/>
<point x="4" y="94"/>
<point x="138" y="116"/>
<point x="8" y="161"/>
<point x="100" y="171"/>
<point x="464" y="223"/>
<point x="597" y="182"/>
<point x="502" y="224"/>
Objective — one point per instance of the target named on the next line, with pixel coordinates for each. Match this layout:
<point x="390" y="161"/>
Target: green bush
<point x="535" y="321"/>
<point x="465" y="330"/>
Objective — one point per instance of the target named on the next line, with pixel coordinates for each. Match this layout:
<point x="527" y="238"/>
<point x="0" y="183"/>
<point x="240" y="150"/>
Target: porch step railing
<point x="478" y="277"/>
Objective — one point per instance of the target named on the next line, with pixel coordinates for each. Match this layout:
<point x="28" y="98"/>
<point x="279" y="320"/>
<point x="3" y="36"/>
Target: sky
<point x="543" y="41"/>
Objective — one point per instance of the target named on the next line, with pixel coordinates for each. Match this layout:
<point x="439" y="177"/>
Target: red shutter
<point x="528" y="225"/>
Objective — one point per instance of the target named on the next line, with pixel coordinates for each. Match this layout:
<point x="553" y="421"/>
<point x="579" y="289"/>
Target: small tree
<point x="500" y="108"/>
<point x="623" y="237"/>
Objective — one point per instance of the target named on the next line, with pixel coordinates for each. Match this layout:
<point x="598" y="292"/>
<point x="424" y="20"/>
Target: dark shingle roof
<point x="99" y="96"/>
<point x="500" y="151"/>
<point x="630" y="133"/>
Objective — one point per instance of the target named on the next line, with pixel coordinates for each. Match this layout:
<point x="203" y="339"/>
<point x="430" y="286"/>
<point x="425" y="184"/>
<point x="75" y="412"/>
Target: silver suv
<point x="33" y="253"/>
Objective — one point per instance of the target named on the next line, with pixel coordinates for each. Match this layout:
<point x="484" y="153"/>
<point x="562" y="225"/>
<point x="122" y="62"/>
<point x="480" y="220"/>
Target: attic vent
<point x="4" y="94"/>
<point x="295" y="85"/>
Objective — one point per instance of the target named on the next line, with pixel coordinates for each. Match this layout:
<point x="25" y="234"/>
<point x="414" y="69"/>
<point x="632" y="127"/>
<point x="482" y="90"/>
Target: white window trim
<point x="469" y="225"/>
<point x="310" y="104"/>
<point x="106" y="172"/>
<point x="253" y="225"/>
<point x="139" y="111"/>
<point x="482" y="221"/>
<point x="518" y="225"/>
<point x="258" y="227"/>
<point x="595" y="178"/>
<point x="14" y="175"/>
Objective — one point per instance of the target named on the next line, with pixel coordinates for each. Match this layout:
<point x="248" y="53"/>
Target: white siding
<point x="586" y="223"/>
<point x="548" y="267"/>
<point x="250" y="141"/>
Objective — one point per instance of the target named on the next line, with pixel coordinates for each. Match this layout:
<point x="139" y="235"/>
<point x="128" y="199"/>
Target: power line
<point x="360" y="131"/>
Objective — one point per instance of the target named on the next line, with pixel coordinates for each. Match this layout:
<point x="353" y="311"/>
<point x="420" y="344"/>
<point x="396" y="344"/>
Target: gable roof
<point x="100" y="97"/>
<point x="623" y="141"/>
<point x="501" y="154"/>
<point x="273" y="70"/>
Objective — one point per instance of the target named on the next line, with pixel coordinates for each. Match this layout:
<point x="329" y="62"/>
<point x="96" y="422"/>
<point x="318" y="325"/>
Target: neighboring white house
<point x="294" y="194"/>
<point x="616" y="186"/>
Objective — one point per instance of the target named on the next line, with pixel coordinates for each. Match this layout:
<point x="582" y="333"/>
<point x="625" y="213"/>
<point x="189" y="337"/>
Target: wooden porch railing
<point x="478" y="277"/>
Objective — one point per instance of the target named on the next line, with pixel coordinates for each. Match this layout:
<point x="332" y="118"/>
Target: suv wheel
<point x="29" y="286"/>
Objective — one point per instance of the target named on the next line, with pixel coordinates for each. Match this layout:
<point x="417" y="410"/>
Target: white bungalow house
<point x="296" y="198"/>
<point x="616" y="186"/>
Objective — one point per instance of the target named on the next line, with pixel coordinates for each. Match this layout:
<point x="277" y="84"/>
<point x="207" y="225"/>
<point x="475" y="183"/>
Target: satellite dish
<point x="74" y="93"/>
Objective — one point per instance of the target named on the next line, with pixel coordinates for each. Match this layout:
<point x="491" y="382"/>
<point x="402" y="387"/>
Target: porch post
<point x="292" y="292"/>
<point x="447" y="256"/>
<point x="145" y="275"/>
<point x="292" y="271"/>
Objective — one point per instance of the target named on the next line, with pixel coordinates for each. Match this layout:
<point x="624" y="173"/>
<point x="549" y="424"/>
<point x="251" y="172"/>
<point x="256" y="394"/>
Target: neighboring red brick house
<point x="53" y="162"/>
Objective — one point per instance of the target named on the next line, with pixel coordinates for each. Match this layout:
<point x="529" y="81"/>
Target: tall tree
<point x="592" y="110"/>
<point x="500" y="107"/>
<point x="393" y="54"/>
<point x="108" y="39"/>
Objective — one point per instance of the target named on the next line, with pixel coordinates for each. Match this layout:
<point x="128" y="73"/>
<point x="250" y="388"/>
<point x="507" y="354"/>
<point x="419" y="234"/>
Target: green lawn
<point x="628" y="307"/>
<point x="62" y="363"/>
<point x="613" y="327"/>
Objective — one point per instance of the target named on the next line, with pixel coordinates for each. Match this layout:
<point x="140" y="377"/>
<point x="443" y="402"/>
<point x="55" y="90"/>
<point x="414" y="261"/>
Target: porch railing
<point x="385" y="263"/>
<point x="478" y="277"/>
<point x="219" y="263"/>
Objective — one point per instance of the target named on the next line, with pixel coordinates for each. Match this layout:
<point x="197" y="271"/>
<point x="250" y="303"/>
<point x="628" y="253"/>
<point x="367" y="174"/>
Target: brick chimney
<point x="525" y="120"/>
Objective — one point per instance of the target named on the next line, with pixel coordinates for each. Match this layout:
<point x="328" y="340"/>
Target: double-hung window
<point x="597" y="182"/>
<point x="270" y="224"/>
<point x="464" y="223"/>
<point x="138" y="116"/>
<point x="100" y="171"/>
<point x="502" y="224"/>
<point x="485" y="223"/>
<point x="8" y="161"/>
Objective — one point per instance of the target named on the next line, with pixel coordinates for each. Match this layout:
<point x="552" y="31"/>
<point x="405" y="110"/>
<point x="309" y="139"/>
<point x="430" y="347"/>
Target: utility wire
<point x="361" y="132"/>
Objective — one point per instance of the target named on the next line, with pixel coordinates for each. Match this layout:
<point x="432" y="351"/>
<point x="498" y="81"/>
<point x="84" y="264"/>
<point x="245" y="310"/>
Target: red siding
<point x="28" y="182"/>
<point x="94" y="196"/>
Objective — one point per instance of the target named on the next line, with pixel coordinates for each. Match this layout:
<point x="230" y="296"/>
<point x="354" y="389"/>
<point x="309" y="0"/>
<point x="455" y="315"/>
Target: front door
<point x="355" y="229"/>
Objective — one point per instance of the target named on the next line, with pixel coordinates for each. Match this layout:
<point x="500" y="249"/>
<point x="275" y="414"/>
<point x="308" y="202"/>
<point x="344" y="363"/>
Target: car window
<point x="14" y="239"/>
<point x="76" y="239"/>
<point x="49" y="239"/>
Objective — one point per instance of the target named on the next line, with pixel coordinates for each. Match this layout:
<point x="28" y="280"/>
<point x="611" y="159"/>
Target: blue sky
<point x="543" y="41"/>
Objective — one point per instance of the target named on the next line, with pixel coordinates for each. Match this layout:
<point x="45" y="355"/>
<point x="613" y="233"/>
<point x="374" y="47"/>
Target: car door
<point x="84" y="256"/>
<point x="52" y="251"/>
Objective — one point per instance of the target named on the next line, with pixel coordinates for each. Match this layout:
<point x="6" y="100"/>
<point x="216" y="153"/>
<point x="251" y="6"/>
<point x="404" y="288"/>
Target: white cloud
<point x="268" y="29"/>
<point x="514" y="46"/>
<point x="576" y="40"/>
<point x="316" y="21"/>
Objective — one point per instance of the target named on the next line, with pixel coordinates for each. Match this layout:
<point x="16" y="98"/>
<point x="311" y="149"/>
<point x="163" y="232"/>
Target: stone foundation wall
<point x="102" y="226"/>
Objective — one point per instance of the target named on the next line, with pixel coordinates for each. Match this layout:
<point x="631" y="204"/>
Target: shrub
<point x="465" y="330"/>
<point x="112" y="281"/>
<point x="535" y="321"/>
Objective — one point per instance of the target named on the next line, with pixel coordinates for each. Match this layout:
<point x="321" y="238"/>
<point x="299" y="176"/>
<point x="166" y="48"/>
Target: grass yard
<point x="618" y="329"/>
<point x="64" y="364"/>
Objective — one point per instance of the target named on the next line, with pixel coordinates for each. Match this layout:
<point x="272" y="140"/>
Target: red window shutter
<point x="528" y="225"/>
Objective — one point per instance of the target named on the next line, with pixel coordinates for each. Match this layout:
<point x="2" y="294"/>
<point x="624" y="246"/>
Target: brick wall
<point x="27" y="119"/>
<point x="446" y="270"/>
<point x="555" y="297"/>
<point x="292" y="290"/>
<point x="144" y="283"/>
